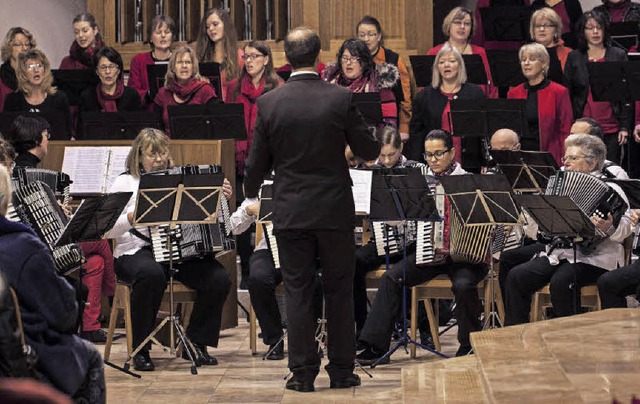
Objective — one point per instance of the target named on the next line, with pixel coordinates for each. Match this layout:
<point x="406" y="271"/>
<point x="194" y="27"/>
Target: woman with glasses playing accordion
<point x="136" y="265"/>
<point x="556" y="265"/>
<point x="376" y="333"/>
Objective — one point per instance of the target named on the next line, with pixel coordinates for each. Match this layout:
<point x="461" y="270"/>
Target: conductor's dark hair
<point x="302" y="47"/>
<point x="389" y="135"/>
<point x="370" y="20"/>
<point x="601" y="19"/>
<point x="440" y="134"/>
<point x="26" y="132"/>
<point x="112" y="56"/>
<point x="595" y="129"/>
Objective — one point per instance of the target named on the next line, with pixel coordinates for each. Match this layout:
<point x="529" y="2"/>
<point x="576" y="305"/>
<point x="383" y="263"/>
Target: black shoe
<point x="351" y="381"/>
<point x="371" y="355"/>
<point x="201" y="356"/>
<point x="142" y="362"/>
<point x="300" y="385"/>
<point x="360" y="346"/>
<point x="464" y="350"/>
<point x="95" y="336"/>
<point x="426" y="340"/>
<point x="276" y="352"/>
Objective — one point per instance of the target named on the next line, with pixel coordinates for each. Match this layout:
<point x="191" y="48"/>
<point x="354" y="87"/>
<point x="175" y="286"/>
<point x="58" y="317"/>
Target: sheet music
<point x="361" y="189"/>
<point x="93" y="169"/>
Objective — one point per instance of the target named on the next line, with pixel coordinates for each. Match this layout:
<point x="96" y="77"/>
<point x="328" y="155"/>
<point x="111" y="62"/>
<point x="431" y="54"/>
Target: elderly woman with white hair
<point x="548" y="110"/>
<point x="430" y="109"/>
<point x="557" y="266"/>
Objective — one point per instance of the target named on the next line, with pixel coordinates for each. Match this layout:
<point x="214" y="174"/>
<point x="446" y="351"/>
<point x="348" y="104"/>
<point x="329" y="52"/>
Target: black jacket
<point x="58" y="103"/>
<point x="632" y="14"/>
<point x="576" y="79"/>
<point x="130" y="100"/>
<point x="301" y="132"/>
<point x="427" y="109"/>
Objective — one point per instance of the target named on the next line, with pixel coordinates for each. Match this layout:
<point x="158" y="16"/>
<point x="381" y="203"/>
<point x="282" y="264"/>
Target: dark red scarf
<point x="108" y="102"/>
<point x="187" y="90"/>
<point x="248" y="90"/>
<point x="85" y="56"/>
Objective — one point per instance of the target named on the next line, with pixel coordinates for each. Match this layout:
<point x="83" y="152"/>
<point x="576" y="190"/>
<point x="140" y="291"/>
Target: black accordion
<point x="194" y="240"/>
<point x="58" y="182"/>
<point x="35" y="205"/>
<point x="265" y="220"/>
<point x="591" y="195"/>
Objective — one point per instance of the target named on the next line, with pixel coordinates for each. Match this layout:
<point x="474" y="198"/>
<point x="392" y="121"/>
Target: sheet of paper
<point x="87" y="167"/>
<point x="361" y="189"/>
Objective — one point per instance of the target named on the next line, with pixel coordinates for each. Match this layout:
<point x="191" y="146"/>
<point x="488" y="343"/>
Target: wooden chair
<point x="122" y="301"/>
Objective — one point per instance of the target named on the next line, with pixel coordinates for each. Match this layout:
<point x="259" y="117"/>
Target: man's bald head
<point x="302" y="47"/>
<point x="505" y="139"/>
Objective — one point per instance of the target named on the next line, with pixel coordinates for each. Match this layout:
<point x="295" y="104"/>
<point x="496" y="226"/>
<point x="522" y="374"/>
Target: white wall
<point x="48" y="20"/>
<point x="589" y="4"/>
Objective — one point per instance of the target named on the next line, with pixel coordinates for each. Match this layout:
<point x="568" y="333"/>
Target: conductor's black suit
<point x="301" y="132"/>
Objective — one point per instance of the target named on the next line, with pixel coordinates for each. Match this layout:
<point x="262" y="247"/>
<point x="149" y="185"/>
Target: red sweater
<point x="490" y="90"/>
<point x="138" y="79"/>
<point x="4" y="91"/>
<point x="164" y="99"/>
<point x="554" y="116"/>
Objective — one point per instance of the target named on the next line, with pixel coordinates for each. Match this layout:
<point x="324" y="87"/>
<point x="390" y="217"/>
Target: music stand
<point x="526" y="171"/>
<point x="483" y="200"/>
<point x="615" y="81"/>
<point x="57" y="121"/>
<point x="402" y="194"/>
<point x="370" y="107"/>
<point x="624" y="34"/>
<point x="157" y="72"/>
<point x="116" y="125"/>
<point x="215" y="121"/>
<point x="479" y="119"/>
<point x="422" y="66"/>
<point x="505" y="68"/>
<point x="74" y="82"/>
<point x="506" y="23"/>
<point x="174" y="199"/>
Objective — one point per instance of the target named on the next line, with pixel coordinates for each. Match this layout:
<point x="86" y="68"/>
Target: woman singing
<point x="17" y="41"/>
<point x="87" y="41"/>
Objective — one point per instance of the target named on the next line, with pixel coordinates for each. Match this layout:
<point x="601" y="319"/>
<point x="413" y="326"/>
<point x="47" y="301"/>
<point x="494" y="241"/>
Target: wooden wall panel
<point x="347" y="13"/>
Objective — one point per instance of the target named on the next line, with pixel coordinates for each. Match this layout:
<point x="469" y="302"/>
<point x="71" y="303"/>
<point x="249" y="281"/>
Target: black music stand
<point x="116" y="125"/>
<point x="508" y="21"/>
<point x="615" y="81"/>
<point x="370" y="107"/>
<point x="526" y="171"/>
<point x="157" y="72"/>
<point x="483" y="200"/>
<point x="176" y="199"/>
<point x="506" y="70"/>
<point x="479" y="119"/>
<point x="216" y="121"/>
<point x="74" y="82"/>
<point x="58" y="123"/>
<point x="624" y="34"/>
<point x="422" y="66"/>
<point x="402" y="194"/>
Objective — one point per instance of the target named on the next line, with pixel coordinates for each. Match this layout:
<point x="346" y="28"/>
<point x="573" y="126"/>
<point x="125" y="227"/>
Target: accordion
<point x="35" y="205"/>
<point x="58" y="182"/>
<point x="264" y="219"/>
<point x="193" y="240"/>
<point x="590" y="194"/>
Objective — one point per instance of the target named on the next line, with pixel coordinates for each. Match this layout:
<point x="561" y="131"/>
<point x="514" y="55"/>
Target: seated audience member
<point x="591" y="127"/>
<point x="431" y="106"/>
<point x="17" y="41"/>
<point x="377" y="330"/>
<point x="505" y="139"/>
<point x="48" y="308"/>
<point x="161" y="33"/>
<point x="615" y="286"/>
<point x="30" y="138"/>
<point x="135" y="264"/>
<point x="556" y="265"/>
<point x="548" y="110"/>
<point x="356" y="70"/>
<point x="183" y="84"/>
<point x="88" y="40"/>
<point x="36" y="91"/>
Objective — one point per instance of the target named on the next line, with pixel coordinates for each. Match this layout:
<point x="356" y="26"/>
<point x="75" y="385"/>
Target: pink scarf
<point x="108" y="102"/>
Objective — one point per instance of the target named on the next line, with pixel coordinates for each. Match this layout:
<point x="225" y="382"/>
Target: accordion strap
<point x="141" y="236"/>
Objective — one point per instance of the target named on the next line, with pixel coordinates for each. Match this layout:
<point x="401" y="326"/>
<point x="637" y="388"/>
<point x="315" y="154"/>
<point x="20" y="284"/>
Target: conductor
<point x="301" y="132"/>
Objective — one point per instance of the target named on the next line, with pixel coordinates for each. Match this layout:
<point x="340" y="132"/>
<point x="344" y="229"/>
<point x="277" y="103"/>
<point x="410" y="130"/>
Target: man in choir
<point x="376" y="333"/>
<point x="505" y="139"/>
<point x="314" y="213"/>
<point x="592" y="127"/>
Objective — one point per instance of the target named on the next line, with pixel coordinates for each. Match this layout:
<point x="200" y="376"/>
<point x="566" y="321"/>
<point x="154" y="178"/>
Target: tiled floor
<point x="241" y="377"/>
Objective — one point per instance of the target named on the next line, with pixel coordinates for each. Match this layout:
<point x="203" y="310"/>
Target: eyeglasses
<point x="22" y="45"/>
<point x="252" y="56"/>
<point x="370" y="34"/>
<point x="571" y="159"/>
<point x="437" y="155"/>
<point x="153" y="156"/>
<point x="462" y="23"/>
<point x="593" y="28"/>
<point x="184" y="62"/>
<point x="104" y="68"/>
<point x="347" y="59"/>
<point x="542" y="27"/>
<point x="35" y="66"/>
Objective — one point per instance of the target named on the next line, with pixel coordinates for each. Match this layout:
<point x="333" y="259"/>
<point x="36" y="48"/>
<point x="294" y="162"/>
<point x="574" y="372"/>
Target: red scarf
<point x="251" y="94"/>
<point x="85" y="55"/>
<point x="248" y="90"/>
<point x="187" y="90"/>
<point x="108" y="102"/>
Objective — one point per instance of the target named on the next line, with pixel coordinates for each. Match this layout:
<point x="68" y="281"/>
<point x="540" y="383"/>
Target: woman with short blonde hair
<point x="545" y="28"/>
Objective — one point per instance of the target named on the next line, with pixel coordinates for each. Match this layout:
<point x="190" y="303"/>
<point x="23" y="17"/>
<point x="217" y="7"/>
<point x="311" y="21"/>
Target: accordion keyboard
<point x="271" y="243"/>
<point x="425" y="253"/>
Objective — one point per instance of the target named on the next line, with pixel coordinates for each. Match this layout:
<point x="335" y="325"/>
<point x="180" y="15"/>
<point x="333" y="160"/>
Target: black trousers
<point x="512" y="258"/>
<point x="301" y="251"/>
<point x="616" y="285"/>
<point x="263" y="279"/>
<point x="565" y="281"/>
<point x="614" y="152"/>
<point x="148" y="280"/>
<point x="388" y="302"/>
<point x="367" y="260"/>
